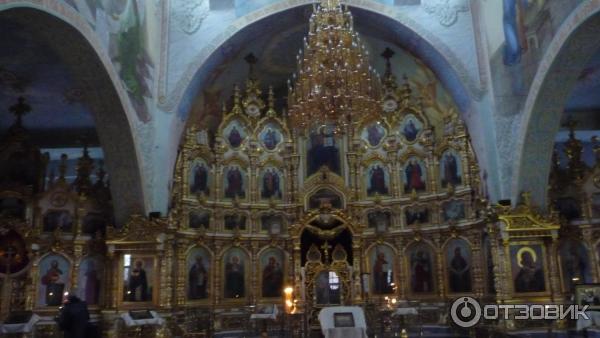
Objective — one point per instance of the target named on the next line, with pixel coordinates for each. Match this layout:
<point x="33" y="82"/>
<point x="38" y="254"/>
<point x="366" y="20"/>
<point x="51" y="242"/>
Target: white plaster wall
<point x="491" y="14"/>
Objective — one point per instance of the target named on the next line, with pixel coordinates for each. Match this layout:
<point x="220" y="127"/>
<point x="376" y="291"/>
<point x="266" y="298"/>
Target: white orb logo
<point x="465" y="312"/>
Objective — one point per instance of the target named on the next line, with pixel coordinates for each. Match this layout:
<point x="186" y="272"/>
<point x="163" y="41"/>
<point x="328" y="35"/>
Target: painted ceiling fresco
<point x="276" y="43"/>
<point x="32" y="69"/>
<point x="123" y="29"/>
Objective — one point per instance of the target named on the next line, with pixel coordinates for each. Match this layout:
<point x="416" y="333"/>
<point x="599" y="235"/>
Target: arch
<point x="459" y="278"/>
<point x="382" y="267"/>
<point x="244" y="290"/>
<point x="56" y="278"/>
<point x="571" y="48"/>
<point x="73" y="39"/>
<point x="274" y="287"/>
<point x="450" y="239"/>
<point x="203" y="291"/>
<point x="415" y="243"/>
<point x="447" y="66"/>
<point x="199" y="246"/>
<point x="384" y="243"/>
<point x="428" y="287"/>
<point x="56" y="253"/>
<point x="426" y="46"/>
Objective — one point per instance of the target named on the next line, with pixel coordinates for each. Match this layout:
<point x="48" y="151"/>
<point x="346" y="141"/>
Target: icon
<point x="465" y="312"/>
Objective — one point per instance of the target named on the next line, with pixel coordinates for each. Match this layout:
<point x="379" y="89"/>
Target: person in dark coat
<point x="73" y="318"/>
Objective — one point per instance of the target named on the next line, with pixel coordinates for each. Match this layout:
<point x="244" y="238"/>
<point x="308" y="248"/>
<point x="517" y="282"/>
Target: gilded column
<point x="553" y="269"/>
<point x="477" y="264"/>
<point x="254" y="278"/>
<point x="298" y="278"/>
<point x="218" y="264"/>
<point x="353" y="173"/>
<point x="180" y="293"/>
<point x="401" y="271"/>
<point x="357" y="267"/>
<point x="440" y="265"/>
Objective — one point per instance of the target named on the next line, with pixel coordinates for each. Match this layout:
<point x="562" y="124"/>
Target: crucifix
<point x="20" y="109"/>
<point x="326" y="247"/>
<point x="6" y="286"/>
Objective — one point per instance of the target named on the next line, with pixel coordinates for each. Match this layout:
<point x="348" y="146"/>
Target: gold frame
<point x="366" y="123"/>
<point x="369" y="268"/>
<point x="423" y="161"/>
<point x="248" y="289"/>
<point x="284" y="270"/>
<point x="383" y="209"/>
<point x="455" y="199"/>
<point x="303" y="147"/>
<point x="184" y="280"/>
<point x="272" y="164"/>
<point x="516" y="295"/>
<point x="242" y="165"/>
<point x="430" y="214"/>
<point x="376" y="159"/>
<point x="446" y="270"/>
<point x="417" y="114"/>
<point x="74" y="220"/>
<point x="187" y="174"/>
<point x="121" y="281"/>
<point x="284" y="223"/>
<point x="283" y="130"/>
<point x="460" y="159"/>
<point x="435" y="292"/>
<point x="247" y="222"/>
<point x="36" y="275"/>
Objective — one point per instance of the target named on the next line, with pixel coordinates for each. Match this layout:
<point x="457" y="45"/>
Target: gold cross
<point x="325" y="247"/>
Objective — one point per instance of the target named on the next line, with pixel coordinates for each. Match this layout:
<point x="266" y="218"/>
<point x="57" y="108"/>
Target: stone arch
<point x="73" y="39"/>
<point x="410" y="34"/>
<point x="446" y="65"/>
<point x="570" y="50"/>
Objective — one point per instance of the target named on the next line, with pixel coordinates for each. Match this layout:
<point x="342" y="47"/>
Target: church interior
<point x="300" y="168"/>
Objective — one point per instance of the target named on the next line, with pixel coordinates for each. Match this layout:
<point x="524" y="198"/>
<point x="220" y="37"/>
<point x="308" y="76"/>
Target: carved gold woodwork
<point x="524" y="226"/>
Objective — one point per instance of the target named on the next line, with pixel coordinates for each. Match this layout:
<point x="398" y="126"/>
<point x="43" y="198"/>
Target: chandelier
<point x="335" y="86"/>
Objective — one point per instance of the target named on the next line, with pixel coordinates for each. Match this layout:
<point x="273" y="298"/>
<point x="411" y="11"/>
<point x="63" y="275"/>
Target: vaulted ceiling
<point x="30" y="67"/>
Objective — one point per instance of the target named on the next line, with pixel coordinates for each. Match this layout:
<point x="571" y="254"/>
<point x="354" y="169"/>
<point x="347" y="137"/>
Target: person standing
<point x="73" y="318"/>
